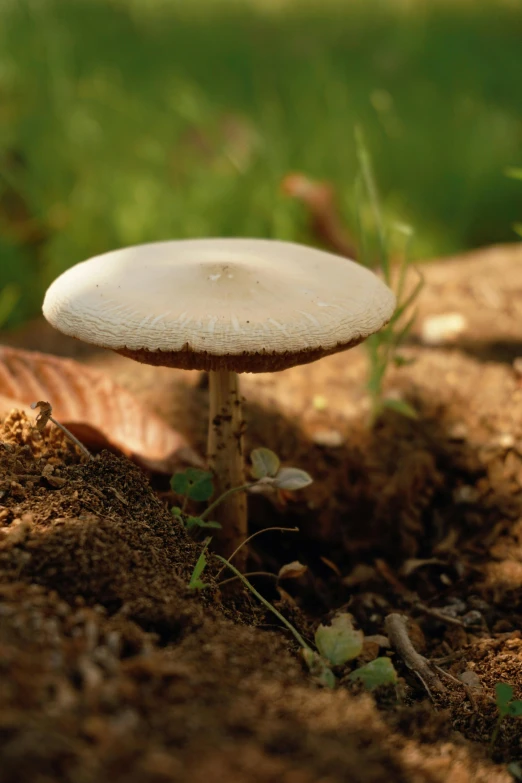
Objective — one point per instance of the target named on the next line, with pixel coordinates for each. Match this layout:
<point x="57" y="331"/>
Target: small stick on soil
<point x="437" y="614"/>
<point x="45" y="415"/>
<point x="396" y="629"/>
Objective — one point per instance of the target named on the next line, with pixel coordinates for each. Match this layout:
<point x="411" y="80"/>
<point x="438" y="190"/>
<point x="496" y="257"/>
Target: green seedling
<point x="339" y="643"/>
<point x="506" y="706"/>
<point x="375" y="674"/>
<point x="195" y="582"/>
<point x="384" y="347"/>
<point x="193" y="484"/>
<point x="197" y="485"/>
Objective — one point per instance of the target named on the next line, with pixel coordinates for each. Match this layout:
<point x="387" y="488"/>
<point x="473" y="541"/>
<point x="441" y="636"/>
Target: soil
<point x="113" y="669"/>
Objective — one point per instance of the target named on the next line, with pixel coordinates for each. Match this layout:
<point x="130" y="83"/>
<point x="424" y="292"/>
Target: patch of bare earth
<point x="111" y="669"/>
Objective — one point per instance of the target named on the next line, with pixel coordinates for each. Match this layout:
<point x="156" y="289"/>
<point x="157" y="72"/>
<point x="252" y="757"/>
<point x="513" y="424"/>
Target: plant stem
<point x="266" y="603"/>
<point x="496" y="730"/>
<point x="71" y="437"/>
<point x="224" y="496"/>
<point x="258" y="533"/>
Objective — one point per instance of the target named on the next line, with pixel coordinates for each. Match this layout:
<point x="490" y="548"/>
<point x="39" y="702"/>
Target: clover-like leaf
<point x="339" y="642"/>
<point x="515" y="708"/>
<point x="292" y="479"/>
<point x="179" y="483"/>
<point x="201" y="486"/>
<point x="504" y="694"/>
<point x="375" y="673"/>
<point x="264" y="463"/>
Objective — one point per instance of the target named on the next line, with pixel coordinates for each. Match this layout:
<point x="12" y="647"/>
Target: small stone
<point x="458" y="431"/>
<point x="331" y="439"/>
<point x="441" y="329"/>
<point x="505" y="440"/>
<point x="466" y="494"/>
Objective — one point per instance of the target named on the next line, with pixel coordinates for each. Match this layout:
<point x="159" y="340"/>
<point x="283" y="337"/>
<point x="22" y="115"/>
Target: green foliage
<point x="375" y="674"/>
<point x="339" y="642"/>
<point x="374" y="243"/>
<point x="266" y="469"/>
<point x="194" y="484"/>
<point x="141" y="120"/>
<point x="264" y="463"/>
<point x="319" y="668"/>
<point x="9" y="298"/>
<point x="515" y="173"/>
<point x="195" y="582"/>
<point x="506" y="706"/>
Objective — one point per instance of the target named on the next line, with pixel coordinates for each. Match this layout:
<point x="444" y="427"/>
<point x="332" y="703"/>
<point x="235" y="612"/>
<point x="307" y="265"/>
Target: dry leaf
<point x="96" y="410"/>
<point x="292" y="570"/>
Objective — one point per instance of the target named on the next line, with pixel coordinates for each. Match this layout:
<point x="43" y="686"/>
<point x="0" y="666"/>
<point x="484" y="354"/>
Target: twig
<point x="396" y="630"/>
<point x="438" y="614"/>
<point x="294" y="631"/>
<point x="45" y="415"/>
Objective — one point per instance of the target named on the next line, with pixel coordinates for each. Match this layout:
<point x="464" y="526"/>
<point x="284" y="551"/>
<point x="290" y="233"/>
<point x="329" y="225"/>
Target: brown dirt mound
<point x="118" y="672"/>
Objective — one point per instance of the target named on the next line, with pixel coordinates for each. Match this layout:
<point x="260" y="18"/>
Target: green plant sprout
<point x="506" y="706"/>
<point x="339" y="643"/>
<point x="384" y="346"/>
<point x="195" y="581"/>
<point x="195" y="484"/>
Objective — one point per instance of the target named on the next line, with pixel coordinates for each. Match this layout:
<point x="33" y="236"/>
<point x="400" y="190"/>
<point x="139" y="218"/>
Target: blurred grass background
<point x="125" y="121"/>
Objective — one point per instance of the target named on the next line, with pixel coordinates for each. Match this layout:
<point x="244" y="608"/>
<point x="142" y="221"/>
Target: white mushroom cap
<point x="248" y="305"/>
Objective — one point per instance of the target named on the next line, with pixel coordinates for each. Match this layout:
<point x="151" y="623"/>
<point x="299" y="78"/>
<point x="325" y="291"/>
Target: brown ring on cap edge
<point x="246" y="362"/>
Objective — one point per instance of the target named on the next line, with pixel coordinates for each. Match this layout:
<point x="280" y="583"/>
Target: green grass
<point x="124" y="122"/>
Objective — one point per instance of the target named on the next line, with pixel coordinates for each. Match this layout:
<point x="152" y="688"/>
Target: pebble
<point x="331" y="439"/>
<point x="441" y="329"/>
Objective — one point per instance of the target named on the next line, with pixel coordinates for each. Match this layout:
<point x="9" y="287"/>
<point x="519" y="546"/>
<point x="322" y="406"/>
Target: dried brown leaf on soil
<point x="94" y="408"/>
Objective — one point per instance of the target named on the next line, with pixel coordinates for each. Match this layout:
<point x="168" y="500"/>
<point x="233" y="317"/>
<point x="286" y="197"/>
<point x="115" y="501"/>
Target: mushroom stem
<point x="226" y="460"/>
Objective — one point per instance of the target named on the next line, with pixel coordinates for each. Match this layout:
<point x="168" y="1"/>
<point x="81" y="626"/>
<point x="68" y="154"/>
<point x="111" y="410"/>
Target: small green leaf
<point x="504" y="693"/>
<point x="517" y="227"/>
<point x="339" y="642"/>
<point x="400" y="406"/>
<point x="375" y="673"/>
<point x="264" y="463"/>
<point x="195" y="580"/>
<point x="515" y="708"/>
<point x="515" y="769"/>
<point x="319" y="668"/>
<point x="203" y="490"/>
<point x="292" y="479"/>
<point x="179" y="483"/>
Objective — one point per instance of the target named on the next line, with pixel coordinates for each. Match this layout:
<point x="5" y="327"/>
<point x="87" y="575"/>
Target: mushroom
<point x="226" y="306"/>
